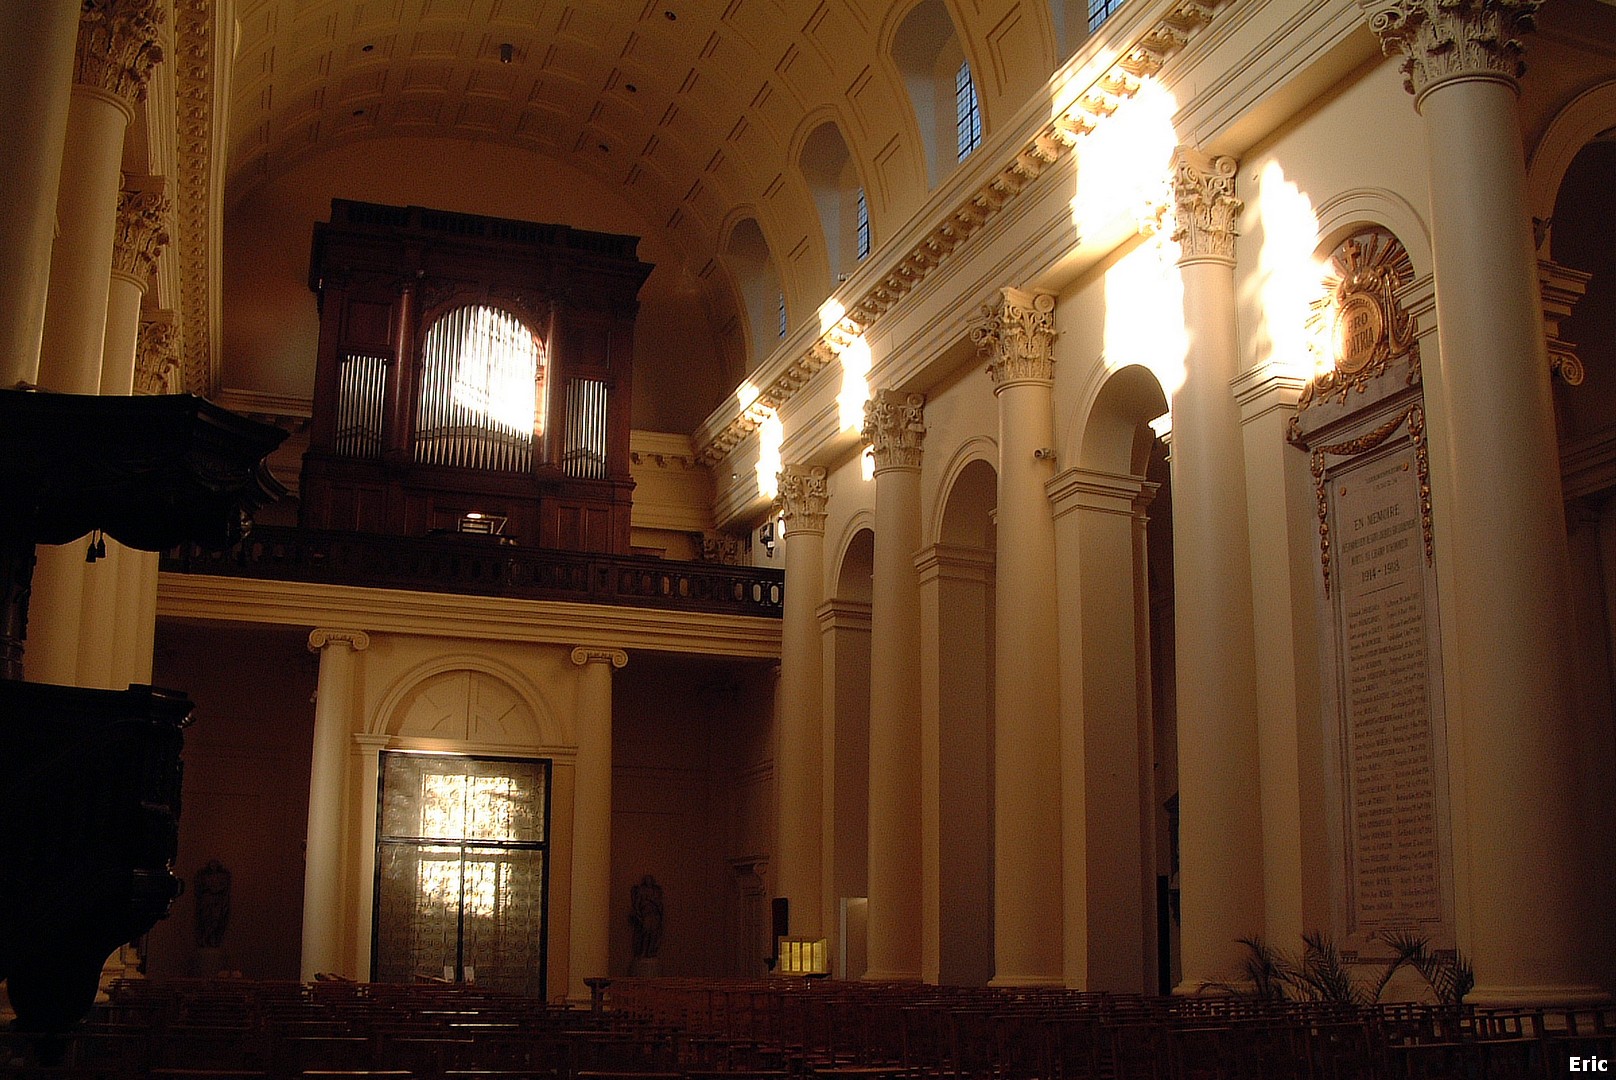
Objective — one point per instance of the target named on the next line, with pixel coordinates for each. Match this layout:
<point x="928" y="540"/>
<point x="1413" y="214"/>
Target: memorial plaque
<point x="1391" y="813"/>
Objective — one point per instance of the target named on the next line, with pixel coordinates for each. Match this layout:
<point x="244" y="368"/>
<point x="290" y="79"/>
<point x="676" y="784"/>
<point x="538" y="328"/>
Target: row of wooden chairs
<point x="962" y="1033"/>
<point x="781" y="1029"/>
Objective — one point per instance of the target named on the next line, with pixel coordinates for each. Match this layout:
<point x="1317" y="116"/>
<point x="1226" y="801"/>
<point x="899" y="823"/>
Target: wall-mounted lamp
<point x="1044" y="453"/>
<point x="506" y="52"/>
<point x="766" y="534"/>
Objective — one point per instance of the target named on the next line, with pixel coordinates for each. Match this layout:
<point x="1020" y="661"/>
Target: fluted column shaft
<point x="799" y="758"/>
<point x="894" y="424"/>
<point x="589" y="944"/>
<point x="335" y="704"/>
<point x="1507" y="546"/>
<point x="36" y="77"/>
<point x="1016" y="339"/>
<point x="1219" y="806"/>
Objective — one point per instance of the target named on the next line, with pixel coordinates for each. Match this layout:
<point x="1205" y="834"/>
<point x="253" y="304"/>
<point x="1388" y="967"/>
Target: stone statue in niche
<point x="212" y="891"/>
<point x="646" y="915"/>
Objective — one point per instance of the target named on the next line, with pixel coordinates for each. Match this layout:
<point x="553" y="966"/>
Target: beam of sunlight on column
<point x="771" y="434"/>
<point x="1144" y="312"/>
<point x="855" y="384"/>
<point x="1123" y="164"/>
<point x="1289" y="282"/>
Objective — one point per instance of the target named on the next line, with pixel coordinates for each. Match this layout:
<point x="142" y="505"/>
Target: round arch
<point x="853" y="551"/>
<point x="531" y="710"/>
<point x="982" y="448"/>
<point x="1348" y="211"/>
<point x="1583" y="120"/>
<point x="1125" y="400"/>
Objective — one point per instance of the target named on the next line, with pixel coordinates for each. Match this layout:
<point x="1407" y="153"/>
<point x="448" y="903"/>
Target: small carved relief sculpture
<point x="212" y="885"/>
<point x="646" y="915"/>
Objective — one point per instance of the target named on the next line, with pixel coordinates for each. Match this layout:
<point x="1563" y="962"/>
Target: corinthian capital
<point x="1442" y="39"/>
<point x="142" y="233"/>
<point x="802" y="498"/>
<point x="1016" y="338"/>
<point x="157" y="354"/>
<point x="1204" y="205"/>
<point x="118" y="46"/>
<point x="894" y="426"/>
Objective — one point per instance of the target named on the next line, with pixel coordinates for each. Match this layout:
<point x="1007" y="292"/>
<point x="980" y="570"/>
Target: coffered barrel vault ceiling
<point x="690" y="111"/>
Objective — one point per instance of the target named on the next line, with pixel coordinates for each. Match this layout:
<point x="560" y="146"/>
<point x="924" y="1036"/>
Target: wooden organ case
<point x="472" y="370"/>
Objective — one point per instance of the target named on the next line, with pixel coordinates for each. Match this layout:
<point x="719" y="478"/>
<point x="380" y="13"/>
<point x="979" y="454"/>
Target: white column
<point x="116" y="51"/>
<point x="36" y="77"/>
<point x="112" y="613"/>
<point x="1220" y="821"/>
<point x="156" y="360"/>
<point x="589" y="951"/>
<point x="1016" y="340"/>
<point x="798" y="760"/>
<point x="335" y="708"/>
<point x="1527" y="864"/>
<point x="894" y="425"/>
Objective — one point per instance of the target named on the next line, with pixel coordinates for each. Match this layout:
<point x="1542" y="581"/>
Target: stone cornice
<point x="802" y="498"/>
<point x="118" y="47"/>
<point x="474" y="618"/>
<point x="1446" y="39"/>
<point x="895" y="426"/>
<point x="1205" y="206"/>
<point x="1016" y="338"/>
<point x="958" y="212"/>
<point x="140" y="234"/>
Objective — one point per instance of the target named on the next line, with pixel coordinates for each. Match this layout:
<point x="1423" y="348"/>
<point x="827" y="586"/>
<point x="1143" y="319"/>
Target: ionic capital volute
<point x="141" y="233"/>
<point x="1446" y="39"/>
<point x="319" y="638"/>
<point x="895" y="426"/>
<point x="589" y="654"/>
<point x="802" y="497"/>
<point x="1204" y="205"/>
<point x="119" y="46"/>
<point x="1015" y="338"/>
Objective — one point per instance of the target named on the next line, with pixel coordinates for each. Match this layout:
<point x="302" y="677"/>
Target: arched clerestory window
<point x="927" y="53"/>
<point x="751" y="264"/>
<point x="832" y="178"/>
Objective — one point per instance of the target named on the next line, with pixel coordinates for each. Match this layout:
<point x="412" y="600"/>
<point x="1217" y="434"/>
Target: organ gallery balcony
<point x="484" y="565"/>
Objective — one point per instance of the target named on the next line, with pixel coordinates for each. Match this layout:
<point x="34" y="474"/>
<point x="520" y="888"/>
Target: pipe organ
<point x="471" y="368"/>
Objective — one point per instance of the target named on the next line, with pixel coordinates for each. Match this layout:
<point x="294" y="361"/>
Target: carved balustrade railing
<point x="481" y="566"/>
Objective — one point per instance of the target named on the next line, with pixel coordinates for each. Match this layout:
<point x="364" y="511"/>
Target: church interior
<point x="936" y="492"/>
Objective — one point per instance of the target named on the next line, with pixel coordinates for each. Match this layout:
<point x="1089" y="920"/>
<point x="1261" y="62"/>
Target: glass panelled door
<point x="462" y="867"/>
